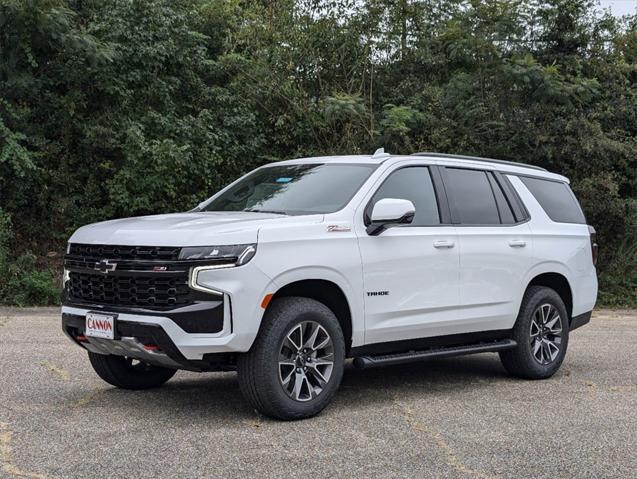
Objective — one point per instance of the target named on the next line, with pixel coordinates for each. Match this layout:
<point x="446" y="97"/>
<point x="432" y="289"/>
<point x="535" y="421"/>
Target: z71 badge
<point x="338" y="228"/>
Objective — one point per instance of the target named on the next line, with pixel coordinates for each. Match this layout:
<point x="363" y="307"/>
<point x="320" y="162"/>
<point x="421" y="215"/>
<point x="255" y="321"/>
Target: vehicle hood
<point x="209" y="228"/>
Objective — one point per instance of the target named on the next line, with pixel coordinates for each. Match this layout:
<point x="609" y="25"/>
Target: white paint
<point x="440" y="280"/>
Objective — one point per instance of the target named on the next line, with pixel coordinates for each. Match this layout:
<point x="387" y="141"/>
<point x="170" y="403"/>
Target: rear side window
<point x="413" y="184"/>
<point x="473" y="196"/>
<point x="557" y="200"/>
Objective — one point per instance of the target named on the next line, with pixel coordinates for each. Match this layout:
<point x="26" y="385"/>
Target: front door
<point x="410" y="272"/>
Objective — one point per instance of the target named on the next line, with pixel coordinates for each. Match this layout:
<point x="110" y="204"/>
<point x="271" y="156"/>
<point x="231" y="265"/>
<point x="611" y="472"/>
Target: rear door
<point x="410" y="272"/>
<point x="495" y="247"/>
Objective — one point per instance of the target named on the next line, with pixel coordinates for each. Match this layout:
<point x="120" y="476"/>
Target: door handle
<point x="443" y="244"/>
<point x="517" y="243"/>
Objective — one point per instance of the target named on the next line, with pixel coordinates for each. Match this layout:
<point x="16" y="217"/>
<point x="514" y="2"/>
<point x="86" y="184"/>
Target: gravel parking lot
<point x="461" y="417"/>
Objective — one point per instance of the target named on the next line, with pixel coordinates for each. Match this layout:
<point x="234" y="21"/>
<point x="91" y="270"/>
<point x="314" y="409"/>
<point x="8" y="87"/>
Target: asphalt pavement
<point x="449" y="418"/>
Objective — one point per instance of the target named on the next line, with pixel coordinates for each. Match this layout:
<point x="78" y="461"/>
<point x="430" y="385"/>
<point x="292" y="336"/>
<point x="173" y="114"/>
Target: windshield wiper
<point x="253" y="210"/>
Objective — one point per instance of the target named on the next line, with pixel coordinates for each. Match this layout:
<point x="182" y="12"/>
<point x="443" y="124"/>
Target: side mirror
<point x="390" y="212"/>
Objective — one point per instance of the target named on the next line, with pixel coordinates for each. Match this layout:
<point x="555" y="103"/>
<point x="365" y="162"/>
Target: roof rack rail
<point x="477" y="158"/>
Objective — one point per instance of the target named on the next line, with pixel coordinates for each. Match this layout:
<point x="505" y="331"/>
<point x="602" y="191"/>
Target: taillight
<point x="594" y="247"/>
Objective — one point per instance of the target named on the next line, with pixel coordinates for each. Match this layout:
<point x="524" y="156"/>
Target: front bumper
<point x="174" y="327"/>
<point x="146" y="341"/>
<point x="202" y="317"/>
<point x="241" y="291"/>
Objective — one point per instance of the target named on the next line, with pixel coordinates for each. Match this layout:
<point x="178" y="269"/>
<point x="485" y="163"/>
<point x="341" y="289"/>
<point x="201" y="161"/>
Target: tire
<point x="534" y="357"/>
<point x="122" y="373"/>
<point x="273" y="359"/>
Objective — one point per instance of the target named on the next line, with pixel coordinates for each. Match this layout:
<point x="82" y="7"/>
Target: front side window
<point x="294" y="189"/>
<point x="413" y="184"/>
<point x="473" y="197"/>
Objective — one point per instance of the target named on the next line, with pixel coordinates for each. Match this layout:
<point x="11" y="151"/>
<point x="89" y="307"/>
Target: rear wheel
<point x="128" y="373"/>
<point x="541" y="331"/>
<point x="295" y="365"/>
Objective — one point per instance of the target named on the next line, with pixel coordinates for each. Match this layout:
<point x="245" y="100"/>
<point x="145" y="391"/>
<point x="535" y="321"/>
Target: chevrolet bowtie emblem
<point x="105" y="266"/>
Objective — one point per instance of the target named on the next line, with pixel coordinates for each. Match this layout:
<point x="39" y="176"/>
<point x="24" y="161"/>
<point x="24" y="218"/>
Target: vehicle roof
<point x="441" y="159"/>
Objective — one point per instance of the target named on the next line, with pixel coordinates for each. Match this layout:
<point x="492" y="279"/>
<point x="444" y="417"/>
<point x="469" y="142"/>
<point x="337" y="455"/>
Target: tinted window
<point x="413" y="184"/>
<point x="557" y="200"/>
<point x="473" y="197"/>
<point x="294" y="189"/>
<point x="506" y="214"/>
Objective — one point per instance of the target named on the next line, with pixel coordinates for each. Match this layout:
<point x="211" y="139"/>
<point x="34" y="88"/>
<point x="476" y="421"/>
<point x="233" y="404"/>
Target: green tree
<point x="115" y="108"/>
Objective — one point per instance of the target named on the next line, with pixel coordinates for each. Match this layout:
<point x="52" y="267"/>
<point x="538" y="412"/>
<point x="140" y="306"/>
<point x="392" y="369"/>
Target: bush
<point x="618" y="280"/>
<point x="22" y="282"/>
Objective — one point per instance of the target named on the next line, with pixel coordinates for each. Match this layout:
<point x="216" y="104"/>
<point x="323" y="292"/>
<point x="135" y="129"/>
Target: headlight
<point x="228" y="256"/>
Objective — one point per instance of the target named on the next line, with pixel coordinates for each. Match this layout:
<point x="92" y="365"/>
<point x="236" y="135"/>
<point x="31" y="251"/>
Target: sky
<point x="619" y="7"/>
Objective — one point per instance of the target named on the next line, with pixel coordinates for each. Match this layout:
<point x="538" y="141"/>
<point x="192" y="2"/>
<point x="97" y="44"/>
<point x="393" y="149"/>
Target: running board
<point x="365" y="362"/>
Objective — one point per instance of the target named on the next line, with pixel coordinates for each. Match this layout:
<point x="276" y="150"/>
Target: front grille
<point x="150" y="291"/>
<point x="148" y="277"/>
<point x="98" y="252"/>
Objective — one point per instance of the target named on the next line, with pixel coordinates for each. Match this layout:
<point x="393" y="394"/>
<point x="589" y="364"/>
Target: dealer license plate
<point x="100" y="325"/>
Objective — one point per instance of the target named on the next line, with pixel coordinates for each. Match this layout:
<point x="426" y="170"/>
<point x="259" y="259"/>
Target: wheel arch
<point x="327" y="292"/>
<point x="558" y="283"/>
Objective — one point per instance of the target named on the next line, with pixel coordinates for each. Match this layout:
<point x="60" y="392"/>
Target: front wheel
<point x="541" y="331"/>
<point x="295" y="365"/>
<point x="128" y="373"/>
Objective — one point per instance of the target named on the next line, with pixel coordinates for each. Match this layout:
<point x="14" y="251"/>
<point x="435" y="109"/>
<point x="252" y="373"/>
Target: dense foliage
<point x="113" y="108"/>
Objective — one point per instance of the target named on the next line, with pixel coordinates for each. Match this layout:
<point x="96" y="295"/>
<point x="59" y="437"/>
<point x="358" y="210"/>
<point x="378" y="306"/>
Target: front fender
<point x="318" y="272"/>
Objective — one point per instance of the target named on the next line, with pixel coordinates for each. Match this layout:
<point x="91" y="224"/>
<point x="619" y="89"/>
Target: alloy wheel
<point x="546" y="334"/>
<point x="306" y="361"/>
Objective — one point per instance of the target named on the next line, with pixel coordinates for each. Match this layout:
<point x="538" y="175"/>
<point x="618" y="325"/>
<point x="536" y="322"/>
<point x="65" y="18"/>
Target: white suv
<point x="300" y="264"/>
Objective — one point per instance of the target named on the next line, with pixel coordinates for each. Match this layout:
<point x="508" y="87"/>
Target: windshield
<point x="294" y="189"/>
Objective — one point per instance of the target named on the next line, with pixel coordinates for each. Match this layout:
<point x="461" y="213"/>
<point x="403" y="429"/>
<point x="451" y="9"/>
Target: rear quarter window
<point x="556" y="198"/>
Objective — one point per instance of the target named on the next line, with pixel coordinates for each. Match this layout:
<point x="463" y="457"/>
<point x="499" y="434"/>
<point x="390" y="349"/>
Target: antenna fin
<point x="380" y="153"/>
